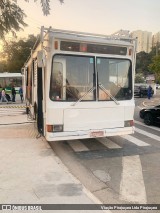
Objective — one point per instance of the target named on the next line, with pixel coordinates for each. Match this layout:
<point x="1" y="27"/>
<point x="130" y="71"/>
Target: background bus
<point x="7" y="80"/>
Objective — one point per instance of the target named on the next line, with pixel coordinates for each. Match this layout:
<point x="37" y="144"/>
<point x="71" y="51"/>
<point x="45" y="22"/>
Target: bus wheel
<point x="27" y="109"/>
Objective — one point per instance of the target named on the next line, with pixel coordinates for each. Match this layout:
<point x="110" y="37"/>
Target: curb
<point x="13" y="106"/>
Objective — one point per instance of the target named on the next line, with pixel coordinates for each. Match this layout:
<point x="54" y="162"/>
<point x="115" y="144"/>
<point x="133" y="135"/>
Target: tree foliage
<point x="139" y="78"/>
<point x="16" y="53"/>
<point x="155" y="67"/>
<point x="46" y="5"/>
<point x="142" y="62"/>
<point x="149" y="63"/>
<point x="11" y="18"/>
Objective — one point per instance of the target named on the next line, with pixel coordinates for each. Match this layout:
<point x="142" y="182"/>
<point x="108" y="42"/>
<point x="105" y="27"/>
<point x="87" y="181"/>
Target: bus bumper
<point x="60" y="136"/>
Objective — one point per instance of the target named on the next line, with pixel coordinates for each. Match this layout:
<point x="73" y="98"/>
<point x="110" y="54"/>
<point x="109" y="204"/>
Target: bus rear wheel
<point x="27" y="109"/>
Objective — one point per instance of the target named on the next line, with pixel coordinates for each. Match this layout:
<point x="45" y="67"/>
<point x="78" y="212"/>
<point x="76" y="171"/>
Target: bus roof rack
<point x="122" y="33"/>
<point x="119" y="35"/>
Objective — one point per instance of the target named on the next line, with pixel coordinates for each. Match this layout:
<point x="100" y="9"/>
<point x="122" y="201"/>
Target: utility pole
<point x="157" y="48"/>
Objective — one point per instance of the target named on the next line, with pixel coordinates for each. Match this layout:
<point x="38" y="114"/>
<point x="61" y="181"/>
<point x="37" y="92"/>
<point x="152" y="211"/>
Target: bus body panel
<point x="81" y="121"/>
<point x="72" y="135"/>
<point x="84" y="119"/>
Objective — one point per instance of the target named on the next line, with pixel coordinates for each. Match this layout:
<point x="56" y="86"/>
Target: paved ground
<point x="155" y="100"/>
<point x="30" y="172"/>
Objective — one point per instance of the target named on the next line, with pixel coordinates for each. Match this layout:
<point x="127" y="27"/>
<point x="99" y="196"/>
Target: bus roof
<point x="121" y="35"/>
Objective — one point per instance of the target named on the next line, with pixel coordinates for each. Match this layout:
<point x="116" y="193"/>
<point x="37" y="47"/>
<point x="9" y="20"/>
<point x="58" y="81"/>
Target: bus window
<point x="29" y="83"/>
<point x="57" y="81"/>
<point x="115" y="75"/>
<point x="71" y="78"/>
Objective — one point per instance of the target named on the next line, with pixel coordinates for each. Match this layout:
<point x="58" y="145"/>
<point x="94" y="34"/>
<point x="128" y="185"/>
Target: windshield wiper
<point x="108" y="93"/>
<point x="85" y="94"/>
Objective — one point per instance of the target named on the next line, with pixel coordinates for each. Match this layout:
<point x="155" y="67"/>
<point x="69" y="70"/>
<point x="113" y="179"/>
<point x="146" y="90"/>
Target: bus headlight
<point x="55" y="128"/>
<point x="128" y="123"/>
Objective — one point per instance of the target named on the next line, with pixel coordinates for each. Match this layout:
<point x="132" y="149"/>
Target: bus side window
<point x="56" y="81"/>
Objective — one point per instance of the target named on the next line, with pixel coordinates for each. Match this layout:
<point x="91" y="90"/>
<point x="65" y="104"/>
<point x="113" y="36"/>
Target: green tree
<point x="16" y="53"/>
<point x="12" y="16"/>
<point x="139" y="78"/>
<point x="155" y="67"/>
<point x="3" y="66"/>
<point x="46" y="5"/>
<point x="143" y="60"/>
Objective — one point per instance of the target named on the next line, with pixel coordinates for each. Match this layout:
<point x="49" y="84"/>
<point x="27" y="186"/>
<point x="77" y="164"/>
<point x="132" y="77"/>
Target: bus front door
<point x="40" y="122"/>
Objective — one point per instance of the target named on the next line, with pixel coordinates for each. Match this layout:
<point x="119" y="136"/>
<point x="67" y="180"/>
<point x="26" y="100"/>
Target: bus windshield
<point x="73" y="76"/>
<point x="115" y="75"/>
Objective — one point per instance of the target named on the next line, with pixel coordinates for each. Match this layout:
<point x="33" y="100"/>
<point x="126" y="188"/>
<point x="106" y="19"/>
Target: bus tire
<point x="27" y="109"/>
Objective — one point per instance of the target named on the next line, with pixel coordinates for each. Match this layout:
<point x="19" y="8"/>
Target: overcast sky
<point x="97" y="16"/>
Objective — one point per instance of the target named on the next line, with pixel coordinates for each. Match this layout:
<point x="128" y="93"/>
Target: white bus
<point x="80" y="85"/>
<point x="7" y="80"/>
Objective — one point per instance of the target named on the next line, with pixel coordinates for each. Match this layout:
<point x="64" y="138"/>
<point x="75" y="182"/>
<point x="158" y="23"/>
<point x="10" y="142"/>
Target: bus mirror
<point x="41" y="58"/>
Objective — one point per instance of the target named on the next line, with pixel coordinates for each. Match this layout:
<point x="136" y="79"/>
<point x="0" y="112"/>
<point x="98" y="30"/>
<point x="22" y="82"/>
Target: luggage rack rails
<point x="122" y="35"/>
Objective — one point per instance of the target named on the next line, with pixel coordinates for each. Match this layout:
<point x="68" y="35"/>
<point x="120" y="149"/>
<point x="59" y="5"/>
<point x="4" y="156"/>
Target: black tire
<point x="27" y="109"/>
<point x="148" y="119"/>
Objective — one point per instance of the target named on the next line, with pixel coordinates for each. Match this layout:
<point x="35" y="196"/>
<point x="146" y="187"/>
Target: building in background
<point x="144" y="42"/>
<point x="156" y="39"/>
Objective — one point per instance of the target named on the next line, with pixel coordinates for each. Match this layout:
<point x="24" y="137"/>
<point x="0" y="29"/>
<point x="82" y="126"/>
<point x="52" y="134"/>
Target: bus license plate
<point x="97" y="134"/>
